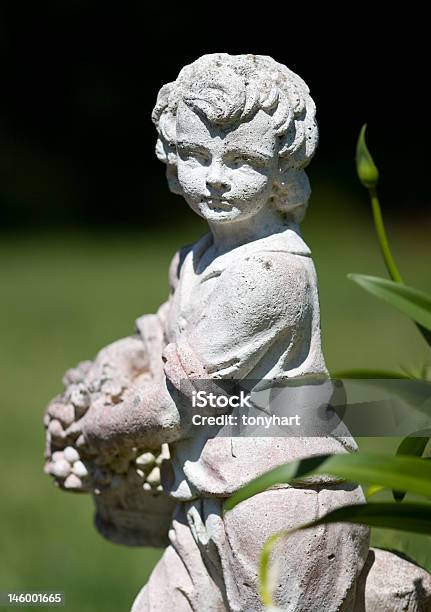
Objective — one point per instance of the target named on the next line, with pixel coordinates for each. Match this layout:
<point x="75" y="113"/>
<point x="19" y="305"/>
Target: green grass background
<point x="65" y="295"/>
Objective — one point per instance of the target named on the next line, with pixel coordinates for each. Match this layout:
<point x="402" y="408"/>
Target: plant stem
<point x="386" y="251"/>
<point x="383" y="238"/>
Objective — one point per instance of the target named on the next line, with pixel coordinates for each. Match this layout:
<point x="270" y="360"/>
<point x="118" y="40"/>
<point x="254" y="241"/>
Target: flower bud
<point x="365" y="166"/>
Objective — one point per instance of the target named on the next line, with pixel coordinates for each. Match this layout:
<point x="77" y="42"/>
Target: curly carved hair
<point x="228" y="89"/>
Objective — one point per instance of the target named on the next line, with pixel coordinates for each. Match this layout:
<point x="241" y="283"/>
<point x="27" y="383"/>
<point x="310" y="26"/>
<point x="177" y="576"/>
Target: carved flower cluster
<point x="71" y="461"/>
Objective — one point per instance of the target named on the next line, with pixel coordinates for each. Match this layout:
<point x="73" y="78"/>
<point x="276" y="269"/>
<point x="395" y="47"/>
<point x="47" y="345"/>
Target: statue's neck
<point x="227" y="236"/>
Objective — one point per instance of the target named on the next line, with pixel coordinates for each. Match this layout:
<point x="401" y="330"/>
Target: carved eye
<point x="245" y="160"/>
<point x="238" y="160"/>
<point x="198" y="157"/>
<point x="194" y="156"/>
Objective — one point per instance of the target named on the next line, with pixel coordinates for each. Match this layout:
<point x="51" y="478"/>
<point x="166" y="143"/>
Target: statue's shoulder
<point x="288" y="241"/>
<point x="270" y="260"/>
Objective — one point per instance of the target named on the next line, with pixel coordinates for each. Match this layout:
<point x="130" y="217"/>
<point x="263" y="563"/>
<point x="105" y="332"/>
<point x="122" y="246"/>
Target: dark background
<point x="79" y="81"/>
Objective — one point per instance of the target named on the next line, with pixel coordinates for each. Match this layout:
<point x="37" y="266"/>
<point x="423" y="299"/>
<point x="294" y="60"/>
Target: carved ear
<point x="284" y="165"/>
<point x="295" y="184"/>
<point x="291" y="192"/>
<point x="173" y="182"/>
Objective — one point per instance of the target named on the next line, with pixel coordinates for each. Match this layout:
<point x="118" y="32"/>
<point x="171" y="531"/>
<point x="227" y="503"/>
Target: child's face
<point x="226" y="174"/>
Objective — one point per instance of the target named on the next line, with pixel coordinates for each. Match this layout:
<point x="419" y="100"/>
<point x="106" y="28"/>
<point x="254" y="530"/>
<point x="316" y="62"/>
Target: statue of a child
<point x="236" y="133"/>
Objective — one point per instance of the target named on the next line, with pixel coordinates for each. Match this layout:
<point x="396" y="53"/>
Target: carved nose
<point x="216" y="180"/>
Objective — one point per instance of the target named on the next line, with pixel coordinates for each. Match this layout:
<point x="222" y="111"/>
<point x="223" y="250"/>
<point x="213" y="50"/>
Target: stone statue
<point x="235" y="133"/>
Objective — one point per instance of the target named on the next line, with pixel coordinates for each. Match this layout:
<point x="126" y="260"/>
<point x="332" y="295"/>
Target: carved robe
<point x="252" y="313"/>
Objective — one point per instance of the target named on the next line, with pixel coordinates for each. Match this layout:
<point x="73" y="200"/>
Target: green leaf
<point x="365" y="373"/>
<point x="283" y="473"/>
<point x="412" y="302"/>
<point x="419" y="371"/>
<point x="415" y="393"/>
<point x="400" y="473"/>
<point x="373" y="490"/>
<point x="411" y="517"/>
<point x="365" y="166"/>
<point x="412" y="446"/>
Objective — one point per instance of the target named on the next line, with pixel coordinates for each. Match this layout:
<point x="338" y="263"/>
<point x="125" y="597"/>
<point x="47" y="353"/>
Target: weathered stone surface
<point x="396" y="585"/>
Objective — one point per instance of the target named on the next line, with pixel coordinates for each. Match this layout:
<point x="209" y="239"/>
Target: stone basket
<point x="131" y="508"/>
<point x="143" y="521"/>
